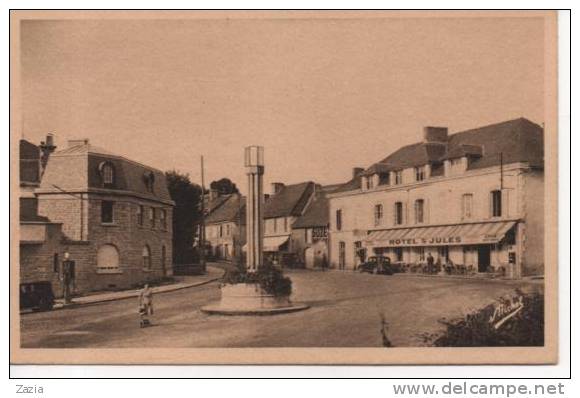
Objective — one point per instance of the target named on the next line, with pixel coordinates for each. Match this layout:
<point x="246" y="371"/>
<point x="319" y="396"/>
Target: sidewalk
<point x="213" y="274"/>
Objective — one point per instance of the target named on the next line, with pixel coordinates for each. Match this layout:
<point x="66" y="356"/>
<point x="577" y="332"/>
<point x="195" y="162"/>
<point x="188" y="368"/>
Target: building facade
<point x="282" y="208"/>
<point x="225" y="226"/>
<point x="473" y="198"/>
<point x="115" y="218"/>
<point x="310" y="232"/>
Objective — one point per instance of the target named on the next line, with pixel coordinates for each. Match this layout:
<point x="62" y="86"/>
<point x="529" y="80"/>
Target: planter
<point x="250" y="299"/>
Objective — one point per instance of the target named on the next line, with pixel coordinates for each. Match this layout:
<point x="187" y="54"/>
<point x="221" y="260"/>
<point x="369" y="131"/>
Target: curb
<point x="217" y="310"/>
<point x="132" y="295"/>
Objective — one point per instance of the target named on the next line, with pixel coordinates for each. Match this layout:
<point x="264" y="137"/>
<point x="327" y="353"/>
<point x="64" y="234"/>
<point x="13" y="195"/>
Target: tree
<point x="186" y="215"/>
<point x="224" y="186"/>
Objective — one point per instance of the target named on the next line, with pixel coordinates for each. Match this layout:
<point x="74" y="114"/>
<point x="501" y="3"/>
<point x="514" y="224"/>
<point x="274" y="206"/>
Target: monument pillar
<point x="254" y="162"/>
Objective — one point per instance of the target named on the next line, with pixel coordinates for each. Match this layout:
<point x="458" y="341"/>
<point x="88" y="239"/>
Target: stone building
<point x="282" y="208"/>
<point x="473" y="198"/>
<point x="115" y="216"/>
<point x="225" y="226"/>
<point x="310" y="231"/>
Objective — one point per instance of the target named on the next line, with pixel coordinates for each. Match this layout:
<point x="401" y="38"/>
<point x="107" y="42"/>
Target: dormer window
<point x="149" y="180"/>
<point x="384" y="179"/>
<point x="107" y="172"/>
<point x="419" y="173"/>
<point x="398" y="177"/>
<point x="370" y="182"/>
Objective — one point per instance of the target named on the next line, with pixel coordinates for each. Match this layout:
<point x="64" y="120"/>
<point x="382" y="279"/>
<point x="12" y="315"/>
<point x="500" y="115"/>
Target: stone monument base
<point x="250" y="299"/>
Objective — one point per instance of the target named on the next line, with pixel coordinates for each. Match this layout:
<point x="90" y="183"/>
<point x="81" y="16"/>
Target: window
<point x="384" y="179"/>
<point x="221" y="231"/>
<point x="398" y="177"/>
<point x="55" y="263"/>
<point x="149" y="180"/>
<point x="163" y="218"/>
<point x="419" y="211"/>
<point x="443" y="253"/>
<point x="419" y="173"/>
<point x="370" y="182"/>
<point x="140" y="212"/>
<point x="339" y="220"/>
<point x="398" y="213"/>
<point x="152" y="217"/>
<point x="378" y="215"/>
<point x="496" y="203"/>
<point x="107" y="211"/>
<point x="398" y="251"/>
<point x="146" y="258"/>
<point x="467" y="206"/>
<point x="421" y="254"/>
<point x="341" y="255"/>
<point x="285" y="224"/>
<point x="107" y="259"/>
<point x="228" y="230"/>
<point x="107" y="172"/>
<point x="275" y="222"/>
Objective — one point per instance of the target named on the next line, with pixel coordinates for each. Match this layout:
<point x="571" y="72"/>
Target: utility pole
<point x="202" y="224"/>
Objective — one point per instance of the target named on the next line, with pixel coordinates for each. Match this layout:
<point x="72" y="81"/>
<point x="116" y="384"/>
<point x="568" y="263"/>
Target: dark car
<point x="377" y="265"/>
<point x="36" y="295"/>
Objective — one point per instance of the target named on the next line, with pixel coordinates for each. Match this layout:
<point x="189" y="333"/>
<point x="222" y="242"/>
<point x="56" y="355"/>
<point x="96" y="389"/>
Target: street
<point x="345" y="312"/>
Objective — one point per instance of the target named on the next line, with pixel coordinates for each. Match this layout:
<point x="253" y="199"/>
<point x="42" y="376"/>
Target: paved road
<point x="345" y="312"/>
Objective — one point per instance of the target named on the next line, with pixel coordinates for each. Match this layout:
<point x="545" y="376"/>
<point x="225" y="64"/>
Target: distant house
<point x="283" y="207"/>
<point x="310" y="231"/>
<point x="225" y="226"/>
<point x="114" y="218"/>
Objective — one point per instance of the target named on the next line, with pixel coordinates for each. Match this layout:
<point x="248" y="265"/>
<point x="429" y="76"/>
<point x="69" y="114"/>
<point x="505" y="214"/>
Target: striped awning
<point x="461" y="234"/>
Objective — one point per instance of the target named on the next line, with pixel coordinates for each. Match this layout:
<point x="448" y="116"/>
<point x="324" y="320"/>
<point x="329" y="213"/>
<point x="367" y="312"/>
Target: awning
<point x="272" y="243"/>
<point x="446" y="235"/>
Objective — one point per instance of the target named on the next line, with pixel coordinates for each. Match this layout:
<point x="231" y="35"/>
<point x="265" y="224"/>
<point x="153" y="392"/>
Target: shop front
<point x="485" y="247"/>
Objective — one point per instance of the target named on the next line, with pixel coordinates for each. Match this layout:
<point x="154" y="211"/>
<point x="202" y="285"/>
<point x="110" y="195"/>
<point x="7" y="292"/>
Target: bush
<point x="271" y="279"/>
<point x="526" y="328"/>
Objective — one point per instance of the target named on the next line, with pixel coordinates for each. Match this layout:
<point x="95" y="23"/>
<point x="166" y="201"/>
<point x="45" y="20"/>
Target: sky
<point x="321" y="95"/>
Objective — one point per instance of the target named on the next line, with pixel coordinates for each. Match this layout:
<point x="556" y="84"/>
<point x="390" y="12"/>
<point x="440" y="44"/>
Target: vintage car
<point x="36" y="296"/>
<point x="377" y="265"/>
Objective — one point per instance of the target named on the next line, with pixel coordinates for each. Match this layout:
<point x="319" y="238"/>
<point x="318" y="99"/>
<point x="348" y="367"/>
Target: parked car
<point x="36" y="295"/>
<point x="377" y="265"/>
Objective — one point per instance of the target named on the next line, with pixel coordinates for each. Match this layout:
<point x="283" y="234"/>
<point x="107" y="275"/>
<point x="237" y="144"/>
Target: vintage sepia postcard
<point x="283" y="187"/>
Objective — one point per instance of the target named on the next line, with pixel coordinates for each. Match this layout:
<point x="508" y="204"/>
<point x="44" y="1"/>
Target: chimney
<point x="434" y="134"/>
<point x="46" y="148"/>
<point x="83" y="141"/>
<point x="356" y="171"/>
<point x="277" y="187"/>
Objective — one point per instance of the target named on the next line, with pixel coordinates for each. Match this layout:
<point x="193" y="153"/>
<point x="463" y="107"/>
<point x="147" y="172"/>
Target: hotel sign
<point x="435" y="241"/>
<point x="319" y="233"/>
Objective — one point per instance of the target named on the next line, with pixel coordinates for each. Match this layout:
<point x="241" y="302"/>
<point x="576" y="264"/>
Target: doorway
<point x="483" y="258"/>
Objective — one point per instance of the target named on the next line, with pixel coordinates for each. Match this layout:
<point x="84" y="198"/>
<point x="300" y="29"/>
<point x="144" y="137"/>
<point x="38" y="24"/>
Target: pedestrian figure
<point x="145" y="306"/>
<point x="430" y="261"/>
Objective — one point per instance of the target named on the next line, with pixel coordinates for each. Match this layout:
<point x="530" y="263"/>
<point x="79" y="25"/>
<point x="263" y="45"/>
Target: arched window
<point x="107" y="172"/>
<point x="107" y="259"/>
<point x="146" y="257"/>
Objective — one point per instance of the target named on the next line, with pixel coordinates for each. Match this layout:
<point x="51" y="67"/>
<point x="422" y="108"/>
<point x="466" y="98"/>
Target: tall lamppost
<point x="254" y="162"/>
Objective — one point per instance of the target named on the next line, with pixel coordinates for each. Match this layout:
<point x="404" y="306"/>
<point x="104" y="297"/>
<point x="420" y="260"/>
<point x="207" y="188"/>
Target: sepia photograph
<point x="283" y="187"/>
